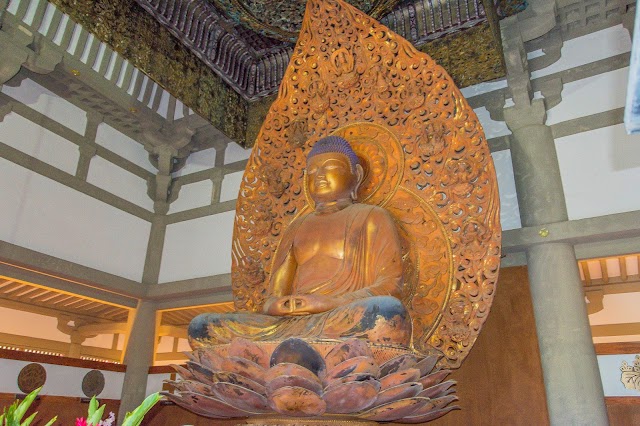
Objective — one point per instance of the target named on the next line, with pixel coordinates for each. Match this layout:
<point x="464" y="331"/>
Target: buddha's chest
<point x="320" y="236"/>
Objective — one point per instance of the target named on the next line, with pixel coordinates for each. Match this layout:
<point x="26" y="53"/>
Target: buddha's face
<point x="330" y="177"/>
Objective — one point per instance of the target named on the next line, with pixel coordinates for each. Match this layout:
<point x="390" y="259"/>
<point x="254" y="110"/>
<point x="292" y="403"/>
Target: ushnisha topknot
<point x="335" y="144"/>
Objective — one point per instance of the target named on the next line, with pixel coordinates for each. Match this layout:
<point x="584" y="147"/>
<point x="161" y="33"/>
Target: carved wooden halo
<point x="346" y="69"/>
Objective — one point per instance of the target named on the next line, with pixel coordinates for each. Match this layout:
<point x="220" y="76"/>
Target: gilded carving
<point x="426" y="162"/>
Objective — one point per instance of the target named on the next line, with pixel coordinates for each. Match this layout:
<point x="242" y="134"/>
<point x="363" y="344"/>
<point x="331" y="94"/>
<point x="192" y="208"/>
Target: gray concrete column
<point x="217" y="176"/>
<point x="155" y="247"/>
<point x="138" y="357"/>
<point x="569" y="364"/>
<point x="535" y="166"/>
<point x="75" y="347"/>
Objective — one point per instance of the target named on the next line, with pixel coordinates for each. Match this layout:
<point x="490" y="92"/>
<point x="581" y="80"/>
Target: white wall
<point x="231" y="186"/>
<point x="38" y="142"/>
<point x="193" y="195"/>
<point x="119" y="181"/>
<point x="155" y="382"/>
<point x="197" y="248"/>
<point x="61" y="380"/>
<point x="48" y="217"/>
<point x="46" y="102"/>
<point x="124" y="146"/>
<point x="600" y="172"/>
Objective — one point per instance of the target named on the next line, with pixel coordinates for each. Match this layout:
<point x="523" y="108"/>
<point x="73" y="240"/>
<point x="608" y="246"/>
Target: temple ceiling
<point x="226" y="58"/>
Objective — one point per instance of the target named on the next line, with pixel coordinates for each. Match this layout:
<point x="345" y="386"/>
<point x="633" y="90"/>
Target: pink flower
<point x="81" y="421"/>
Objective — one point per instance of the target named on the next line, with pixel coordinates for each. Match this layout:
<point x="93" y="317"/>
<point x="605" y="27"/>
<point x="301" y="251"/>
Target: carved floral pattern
<point x="427" y="162"/>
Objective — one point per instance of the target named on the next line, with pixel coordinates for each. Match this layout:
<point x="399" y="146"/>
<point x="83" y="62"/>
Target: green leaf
<point x="10" y="414"/>
<point x="93" y="406"/>
<point x="29" y="419"/>
<point x="135" y="417"/>
<point x="96" y="416"/>
<point x="25" y="404"/>
<point x="50" y="422"/>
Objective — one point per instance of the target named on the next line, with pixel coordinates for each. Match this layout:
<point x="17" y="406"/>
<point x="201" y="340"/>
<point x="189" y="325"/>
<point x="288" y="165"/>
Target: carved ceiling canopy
<point x="224" y="58"/>
<point x="249" y="43"/>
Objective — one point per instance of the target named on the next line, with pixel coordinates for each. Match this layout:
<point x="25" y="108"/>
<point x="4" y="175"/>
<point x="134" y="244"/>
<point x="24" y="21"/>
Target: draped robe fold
<point x="369" y="291"/>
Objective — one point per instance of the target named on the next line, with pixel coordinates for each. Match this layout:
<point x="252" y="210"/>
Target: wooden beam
<point x="604" y="270"/>
<point x="585" y="270"/>
<point x="623" y="267"/>
<point x="171" y="356"/>
<point x="617" y="348"/>
<point x="47" y="311"/>
<point x="104" y="328"/>
<point x="623" y="329"/>
<point x="170" y="330"/>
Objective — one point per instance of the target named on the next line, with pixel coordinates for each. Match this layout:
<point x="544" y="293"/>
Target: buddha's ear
<point x="359" y="178"/>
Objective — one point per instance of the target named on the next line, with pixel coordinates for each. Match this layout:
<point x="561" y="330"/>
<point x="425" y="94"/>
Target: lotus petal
<point x="188" y="404"/>
<point x="183" y="372"/>
<point x="211" y="360"/>
<point x="243" y="348"/>
<point x="195" y="387"/>
<point x="354" y="377"/>
<point x="347" y="350"/>
<point x="359" y="364"/>
<point x="237" y="379"/>
<point x="399" y="377"/>
<point x="438" y="390"/>
<point x="298" y="381"/>
<point x="297" y="402"/>
<point x="405" y="390"/>
<point x="434" y="378"/>
<point x="350" y="397"/>
<point x="443" y="401"/>
<point x="427" y="364"/>
<point x="289" y="369"/>
<point x="193" y="356"/>
<point x="401" y="362"/>
<point x="178" y="385"/>
<point x="239" y="397"/>
<point x="245" y="368"/>
<point x="394" y="410"/>
<point x="432" y="405"/>
<point x="213" y="406"/>
<point x="431" y="415"/>
<point x="297" y="351"/>
<point x="199" y="368"/>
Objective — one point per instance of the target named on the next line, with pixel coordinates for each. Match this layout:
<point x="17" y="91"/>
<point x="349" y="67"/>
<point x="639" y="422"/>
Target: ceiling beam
<point x="47" y="311"/>
<point x="624" y="329"/>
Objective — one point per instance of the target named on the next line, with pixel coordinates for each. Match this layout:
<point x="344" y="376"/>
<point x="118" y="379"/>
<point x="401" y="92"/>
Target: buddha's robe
<point x="368" y="285"/>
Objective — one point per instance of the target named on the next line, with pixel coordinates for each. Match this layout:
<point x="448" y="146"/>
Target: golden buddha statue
<point x="338" y="270"/>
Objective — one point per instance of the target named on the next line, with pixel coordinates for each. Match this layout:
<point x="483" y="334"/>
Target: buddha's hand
<point x="300" y="304"/>
<point x="304" y="304"/>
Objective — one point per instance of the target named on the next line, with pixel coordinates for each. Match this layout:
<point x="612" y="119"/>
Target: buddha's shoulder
<point x="368" y="210"/>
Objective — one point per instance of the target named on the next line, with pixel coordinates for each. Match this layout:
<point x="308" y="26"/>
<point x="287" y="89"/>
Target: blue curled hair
<point x="335" y="144"/>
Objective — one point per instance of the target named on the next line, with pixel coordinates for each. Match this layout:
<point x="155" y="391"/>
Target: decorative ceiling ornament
<point x="93" y="383"/>
<point x="426" y="159"/>
<point x="631" y="374"/>
<point x="31" y="377"/>
<point x="253" y="63"/>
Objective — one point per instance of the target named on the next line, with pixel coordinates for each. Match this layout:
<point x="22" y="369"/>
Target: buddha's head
<point x="333" y="171"/>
